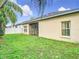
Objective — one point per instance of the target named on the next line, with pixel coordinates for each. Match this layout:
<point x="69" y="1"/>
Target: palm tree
<point x="7" y="12"/>
<point x="8" y="8"/>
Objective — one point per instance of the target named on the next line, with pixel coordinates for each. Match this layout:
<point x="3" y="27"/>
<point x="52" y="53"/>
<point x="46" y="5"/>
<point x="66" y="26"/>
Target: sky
<point x="52" y="6"/>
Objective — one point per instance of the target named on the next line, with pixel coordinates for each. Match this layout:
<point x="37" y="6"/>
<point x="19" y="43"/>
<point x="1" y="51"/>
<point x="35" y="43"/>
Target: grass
<point x="31" y="47"/>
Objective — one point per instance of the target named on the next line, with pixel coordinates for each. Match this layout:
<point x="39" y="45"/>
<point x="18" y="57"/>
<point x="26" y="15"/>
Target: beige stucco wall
<point x="75" y="27"/>
<point x="52" y="28"/>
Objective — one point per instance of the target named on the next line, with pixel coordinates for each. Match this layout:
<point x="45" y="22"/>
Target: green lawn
<point x="31" y="47"/>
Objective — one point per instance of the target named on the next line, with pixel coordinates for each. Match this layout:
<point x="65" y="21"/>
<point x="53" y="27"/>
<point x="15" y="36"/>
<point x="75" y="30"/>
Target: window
<point x="66" y="28"/>
<point x="25" y="28"/>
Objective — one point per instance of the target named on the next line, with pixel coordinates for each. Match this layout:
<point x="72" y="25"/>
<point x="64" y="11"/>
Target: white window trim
<point x="68" y="37"/>
<point x="63" y="36"/>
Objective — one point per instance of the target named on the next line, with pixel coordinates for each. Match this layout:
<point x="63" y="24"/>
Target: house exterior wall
<point x="52" y="28"/>
<point x="17" y="30"/>
<point x="75" y="27"/>
<point x="14" y="30"/>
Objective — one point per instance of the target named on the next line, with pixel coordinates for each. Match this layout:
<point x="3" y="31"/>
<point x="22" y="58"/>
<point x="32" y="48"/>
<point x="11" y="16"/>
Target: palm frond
<point x="11" y="15"/>
<point x="2" y="3"/>
<point x="40" y="5"/>
<point x="15" y="7"/>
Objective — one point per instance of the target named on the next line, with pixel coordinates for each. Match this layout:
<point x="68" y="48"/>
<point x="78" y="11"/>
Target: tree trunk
<point x="1" y="30"/>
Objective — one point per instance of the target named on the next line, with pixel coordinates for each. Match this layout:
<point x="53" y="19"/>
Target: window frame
<point x="25" y="28"/>
<point x="66" y="28"/>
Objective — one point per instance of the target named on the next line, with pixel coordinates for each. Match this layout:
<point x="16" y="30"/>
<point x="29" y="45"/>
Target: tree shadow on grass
<point x="1" y="39"/>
